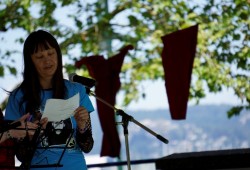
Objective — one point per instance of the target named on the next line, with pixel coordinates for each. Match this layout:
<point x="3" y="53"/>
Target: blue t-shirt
<point x="48" y="153"/>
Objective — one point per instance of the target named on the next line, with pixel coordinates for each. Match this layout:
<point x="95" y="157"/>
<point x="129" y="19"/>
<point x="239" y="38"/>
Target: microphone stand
<point x="32" y="147"/>
<point x="7" y="125"/>
<point x="125" y="121"/>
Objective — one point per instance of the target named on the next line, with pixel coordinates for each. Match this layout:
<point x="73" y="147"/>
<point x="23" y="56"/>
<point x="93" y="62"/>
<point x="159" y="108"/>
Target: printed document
<point x="60" y="109"/>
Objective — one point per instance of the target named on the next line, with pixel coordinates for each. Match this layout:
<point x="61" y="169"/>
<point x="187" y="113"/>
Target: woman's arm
<point x="84" y="129"/>
<point x="84" y="137"/>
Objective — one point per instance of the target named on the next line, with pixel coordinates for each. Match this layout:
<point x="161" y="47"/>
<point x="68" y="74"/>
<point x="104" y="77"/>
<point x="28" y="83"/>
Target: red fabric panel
<point x="106" y="73"/>
<point x="177" y="59"/>
<point x="7" y="152"/>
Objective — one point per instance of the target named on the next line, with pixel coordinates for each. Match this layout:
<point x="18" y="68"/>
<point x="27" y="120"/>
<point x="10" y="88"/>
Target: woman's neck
<point x="46" y="83"/>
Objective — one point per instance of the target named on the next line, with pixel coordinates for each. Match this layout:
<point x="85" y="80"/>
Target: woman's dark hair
<point x="31" y="85"/>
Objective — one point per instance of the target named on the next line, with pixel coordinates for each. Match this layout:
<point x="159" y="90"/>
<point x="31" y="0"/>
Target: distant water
<point x="206" y="127"/>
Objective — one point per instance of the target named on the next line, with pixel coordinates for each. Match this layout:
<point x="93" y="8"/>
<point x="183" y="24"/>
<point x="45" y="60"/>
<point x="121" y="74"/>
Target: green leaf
<point x="1" y="71"/>
<point x="234" y="111"/>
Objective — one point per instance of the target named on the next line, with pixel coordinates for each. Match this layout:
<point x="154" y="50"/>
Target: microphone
<point x="87" y="82"/>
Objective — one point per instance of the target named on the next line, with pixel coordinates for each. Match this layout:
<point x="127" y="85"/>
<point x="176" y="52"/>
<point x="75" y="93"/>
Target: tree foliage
<point x="103" y="27"/>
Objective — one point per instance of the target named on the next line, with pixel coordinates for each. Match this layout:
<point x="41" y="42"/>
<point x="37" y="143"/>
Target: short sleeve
<point x="84" y="99"/>
<point x="73" y="88"/>
<point x="13" y="111"/>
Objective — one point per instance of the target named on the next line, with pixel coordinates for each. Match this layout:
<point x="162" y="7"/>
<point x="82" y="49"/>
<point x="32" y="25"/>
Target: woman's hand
<point x="81" y="116"/>
<point x="44" y="121"/>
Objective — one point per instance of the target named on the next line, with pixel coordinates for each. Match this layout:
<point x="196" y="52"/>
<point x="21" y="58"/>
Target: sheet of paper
<point x="59" y="109"/>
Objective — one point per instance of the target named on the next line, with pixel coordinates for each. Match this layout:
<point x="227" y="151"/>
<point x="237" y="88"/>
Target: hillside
<point x="205" y="128"/>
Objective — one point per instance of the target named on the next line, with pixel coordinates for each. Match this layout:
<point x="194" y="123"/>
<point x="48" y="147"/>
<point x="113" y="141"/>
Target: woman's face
<point x="45" y="62"/>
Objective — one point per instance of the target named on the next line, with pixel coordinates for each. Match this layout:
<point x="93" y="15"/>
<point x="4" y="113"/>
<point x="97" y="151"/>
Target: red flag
<point x="106" y="73"/>
<point x="177" y="59"/>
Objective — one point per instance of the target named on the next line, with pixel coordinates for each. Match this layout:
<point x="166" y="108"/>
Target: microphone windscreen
<point x="88" y="82"/>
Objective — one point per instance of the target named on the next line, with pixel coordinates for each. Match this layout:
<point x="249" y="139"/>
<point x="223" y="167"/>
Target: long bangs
<point x="39" y="39"/>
